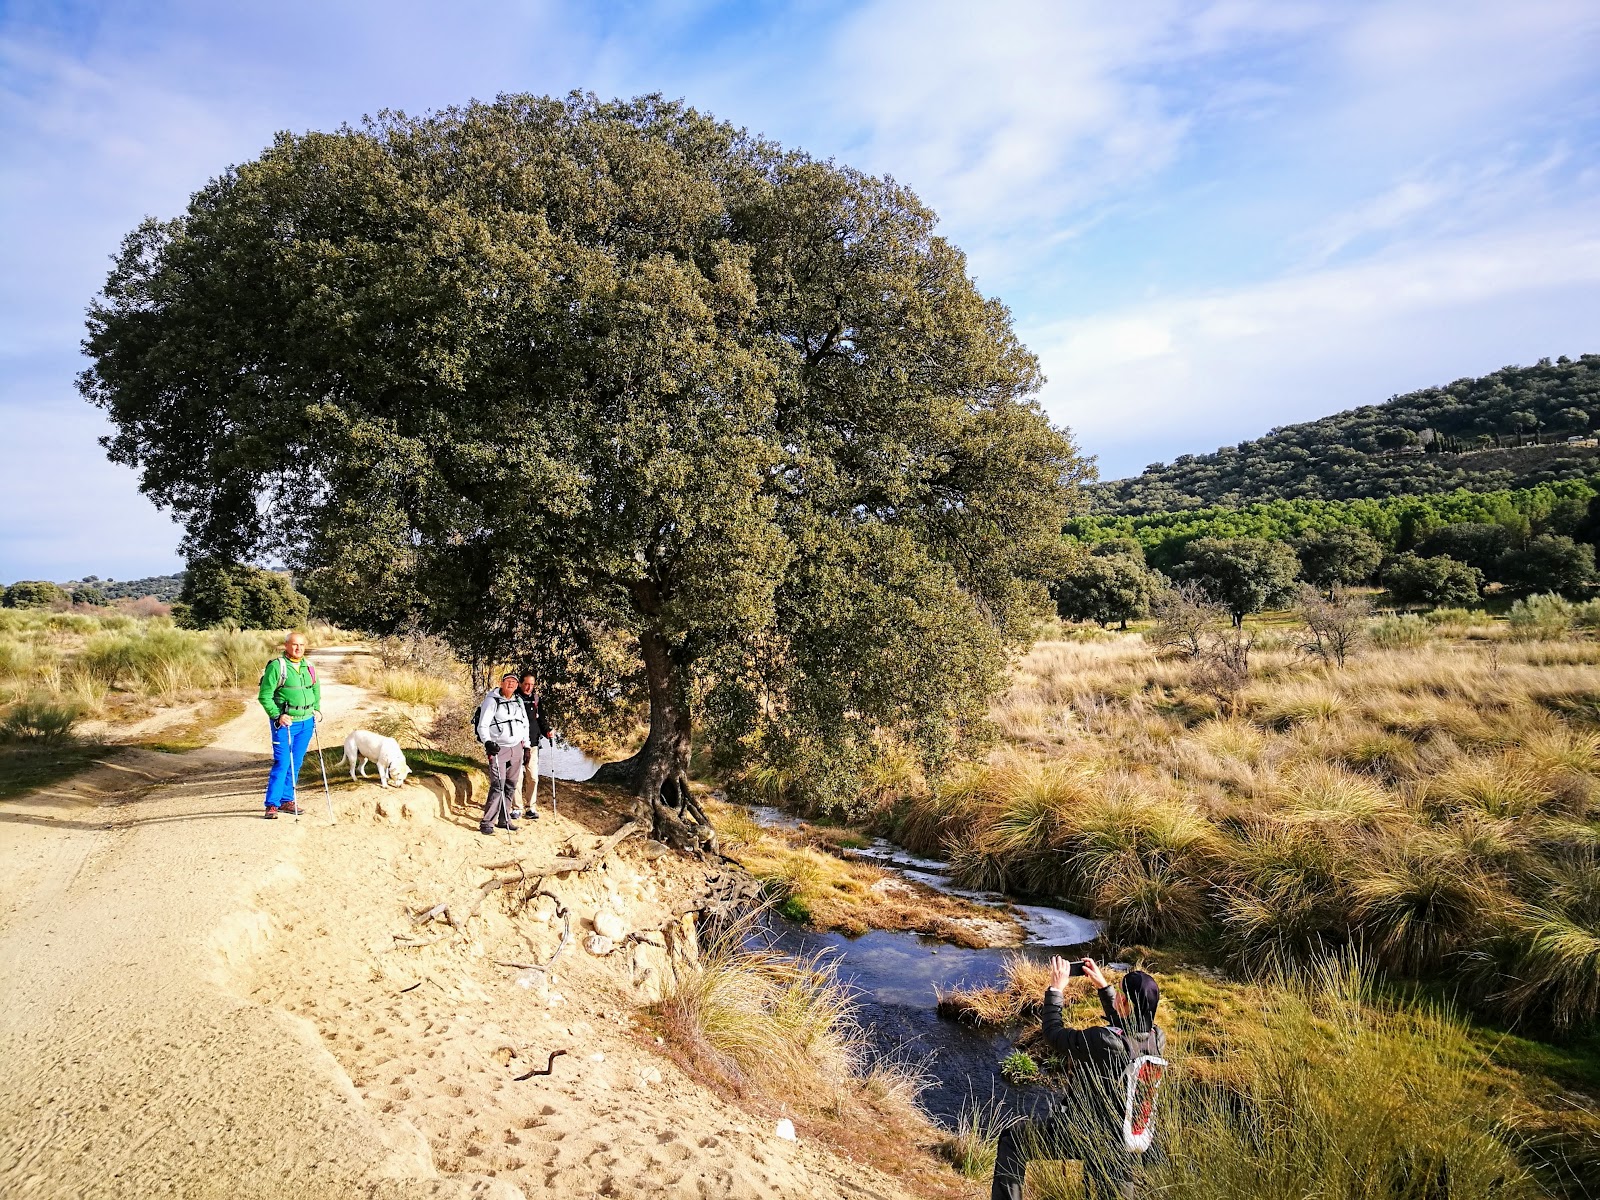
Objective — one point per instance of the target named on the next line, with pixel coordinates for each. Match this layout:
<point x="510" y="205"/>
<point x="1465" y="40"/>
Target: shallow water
<point x="566" y="761"/>
<point x="897" y="978"/>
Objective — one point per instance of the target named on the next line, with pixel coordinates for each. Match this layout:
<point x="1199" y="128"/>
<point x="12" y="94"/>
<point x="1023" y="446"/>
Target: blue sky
<point x="1208" y="217"/>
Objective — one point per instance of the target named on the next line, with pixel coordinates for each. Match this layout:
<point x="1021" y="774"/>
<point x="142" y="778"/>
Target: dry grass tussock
<point x="782" y="1033"/>
<point x="1431" y="802"/>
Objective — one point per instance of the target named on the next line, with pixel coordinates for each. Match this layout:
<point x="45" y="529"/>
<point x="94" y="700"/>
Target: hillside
<point x="1508" y="429"/>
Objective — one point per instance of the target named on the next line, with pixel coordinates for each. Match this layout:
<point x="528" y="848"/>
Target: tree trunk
<point x="658" y="774"/>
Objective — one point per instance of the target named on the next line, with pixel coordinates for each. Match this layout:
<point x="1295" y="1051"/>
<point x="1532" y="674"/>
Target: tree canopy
<point x="219" y="593"/>
<point x="1244" y="575"/>
<point x="1507" y="429"/>
<point x="617" y="391"/>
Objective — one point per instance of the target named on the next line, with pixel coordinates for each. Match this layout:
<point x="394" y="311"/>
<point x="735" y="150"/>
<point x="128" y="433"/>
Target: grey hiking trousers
<point x="505" y="765"/>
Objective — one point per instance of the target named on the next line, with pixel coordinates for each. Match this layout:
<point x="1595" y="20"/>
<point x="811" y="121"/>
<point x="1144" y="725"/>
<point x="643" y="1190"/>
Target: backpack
<point x="1141" y="1081"/>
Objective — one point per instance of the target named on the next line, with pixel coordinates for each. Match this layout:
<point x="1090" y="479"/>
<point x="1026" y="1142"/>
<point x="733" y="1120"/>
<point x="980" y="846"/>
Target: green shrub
<point x="1019" y="1068"/>
<point x="40" y="720"/>
<point x="33" y="593"/>
<point x="1400" y="632"/>
<point x="1542" y="617"/>
<point x="221" y="593"/>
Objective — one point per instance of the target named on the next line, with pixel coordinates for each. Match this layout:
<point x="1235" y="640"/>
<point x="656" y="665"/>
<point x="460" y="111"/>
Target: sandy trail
<point x="196" y="1002"/>
<point x="131" y="1069"/>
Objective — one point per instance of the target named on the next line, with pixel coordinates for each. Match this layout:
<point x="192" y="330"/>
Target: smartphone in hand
<point x="1075" y="968"/>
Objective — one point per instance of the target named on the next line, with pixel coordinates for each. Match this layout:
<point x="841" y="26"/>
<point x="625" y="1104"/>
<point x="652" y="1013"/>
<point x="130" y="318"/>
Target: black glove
<point x="491" y="748"/>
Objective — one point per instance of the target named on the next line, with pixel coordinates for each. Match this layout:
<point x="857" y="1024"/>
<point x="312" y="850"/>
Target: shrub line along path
<point x="131" y="1068"/>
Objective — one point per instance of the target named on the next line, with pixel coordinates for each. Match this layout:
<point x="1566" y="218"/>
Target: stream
<point x="896" y="976"/>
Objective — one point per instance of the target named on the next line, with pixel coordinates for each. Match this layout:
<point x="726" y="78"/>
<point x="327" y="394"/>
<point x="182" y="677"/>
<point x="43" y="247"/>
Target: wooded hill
<point x="1508" y="429"/>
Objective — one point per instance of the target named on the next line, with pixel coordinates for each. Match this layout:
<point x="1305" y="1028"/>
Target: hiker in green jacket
<point x="293" y="699"/>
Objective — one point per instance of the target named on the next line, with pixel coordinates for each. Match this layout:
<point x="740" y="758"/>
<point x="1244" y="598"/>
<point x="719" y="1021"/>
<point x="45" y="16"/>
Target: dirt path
<point x="131" y="1068"/>
<point x="196" y="1002"/>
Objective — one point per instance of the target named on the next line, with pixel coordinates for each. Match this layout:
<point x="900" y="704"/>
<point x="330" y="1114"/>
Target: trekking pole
<point x="316" y="732"/>
<point x="294" y="775"/>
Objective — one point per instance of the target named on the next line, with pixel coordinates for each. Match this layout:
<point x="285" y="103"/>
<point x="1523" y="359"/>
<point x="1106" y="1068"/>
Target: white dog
<point x="364" y="746"/>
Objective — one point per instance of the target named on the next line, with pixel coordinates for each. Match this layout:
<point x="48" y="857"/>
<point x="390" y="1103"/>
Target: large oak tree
<point x="615" y="389"/>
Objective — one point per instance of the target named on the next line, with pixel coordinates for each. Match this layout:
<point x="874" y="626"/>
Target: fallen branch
<point x="549" y="1066"/>
<point x="566" y="866"/>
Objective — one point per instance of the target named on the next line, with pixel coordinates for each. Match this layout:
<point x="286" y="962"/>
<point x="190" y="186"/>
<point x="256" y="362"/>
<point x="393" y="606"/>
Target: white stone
<point x="785" y="1130"/>
<point x="609" y="925"/>
<point x="650" y="1075"/>
<point x="598" y="945"/>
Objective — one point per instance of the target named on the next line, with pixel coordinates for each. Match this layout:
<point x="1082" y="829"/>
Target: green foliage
<point x="1018" y="1067"/>
<point x="1396" y="523"/>
<point x="1339" y="557"/>
<point x="1245" y="575"/>
<point x="1104" y="588"/>
<point x="1538" y="617"/>
<point x="1405" y="630"/>
<point x="1473" y="433"/>
<point x="1548" y="562"/>
<point x="33" y="593"/>
<point x="216" y="592"/>
<point x="87" y="593"/>
<point x="1412" y="579"/>
<point x="616" y="390"/>
<point x="1476" y="543"/>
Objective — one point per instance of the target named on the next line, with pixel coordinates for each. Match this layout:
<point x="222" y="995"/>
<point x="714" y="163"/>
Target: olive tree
<point x="618" y="392"/>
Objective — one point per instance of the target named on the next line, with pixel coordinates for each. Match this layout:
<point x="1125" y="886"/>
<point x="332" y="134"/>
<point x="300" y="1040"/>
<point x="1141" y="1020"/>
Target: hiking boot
<point x="486" y="830"/>
<point x="516" y="814"/>
<point x="509" y="828"/>
<point x="533" y="814"/>
<point x="290" y="807"/>
<point x="271" y="814"/>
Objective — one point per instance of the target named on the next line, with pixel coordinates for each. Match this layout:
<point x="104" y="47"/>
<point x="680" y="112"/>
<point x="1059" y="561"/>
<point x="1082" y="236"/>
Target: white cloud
<point x="1195" y="372"/>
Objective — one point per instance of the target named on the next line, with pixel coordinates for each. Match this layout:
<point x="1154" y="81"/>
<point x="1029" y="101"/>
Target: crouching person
<point x="1106" y="1119"/>
<point x="503" y="729"/>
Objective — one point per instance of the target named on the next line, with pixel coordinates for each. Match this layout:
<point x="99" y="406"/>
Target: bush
<point x="1548" y="563"/>
<point x="1542" y="617"/>
<point x="40" y="720"/>
<point x="33" y="593"/>
<point x="1394" y="633"/>
<point x="1412" y="579"/>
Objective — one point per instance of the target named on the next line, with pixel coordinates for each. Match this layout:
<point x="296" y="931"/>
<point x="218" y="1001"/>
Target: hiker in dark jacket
<point x="502" y="727"/>
<point x="1087" y="1124"/>
<point x="292" y="698"/>
<point x="527" y="798"/>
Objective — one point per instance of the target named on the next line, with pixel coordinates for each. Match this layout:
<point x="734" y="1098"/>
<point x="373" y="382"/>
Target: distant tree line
<point x="1507" y="429"/>
<point x="1426" y="551"/>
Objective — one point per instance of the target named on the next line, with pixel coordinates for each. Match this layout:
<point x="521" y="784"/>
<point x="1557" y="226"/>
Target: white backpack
<point x="1141" y="1083"/>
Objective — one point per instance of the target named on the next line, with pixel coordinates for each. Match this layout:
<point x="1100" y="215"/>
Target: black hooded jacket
<point x="1099" y="1054"/>
<point x="537" y="725"/>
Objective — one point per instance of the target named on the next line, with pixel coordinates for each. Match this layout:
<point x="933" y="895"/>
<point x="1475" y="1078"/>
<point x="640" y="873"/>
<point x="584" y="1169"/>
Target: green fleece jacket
<point x="287" y="688"/>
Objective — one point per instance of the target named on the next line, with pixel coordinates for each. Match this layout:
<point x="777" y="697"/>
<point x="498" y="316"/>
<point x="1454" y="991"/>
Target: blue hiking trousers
<point x="289" y="744"/>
